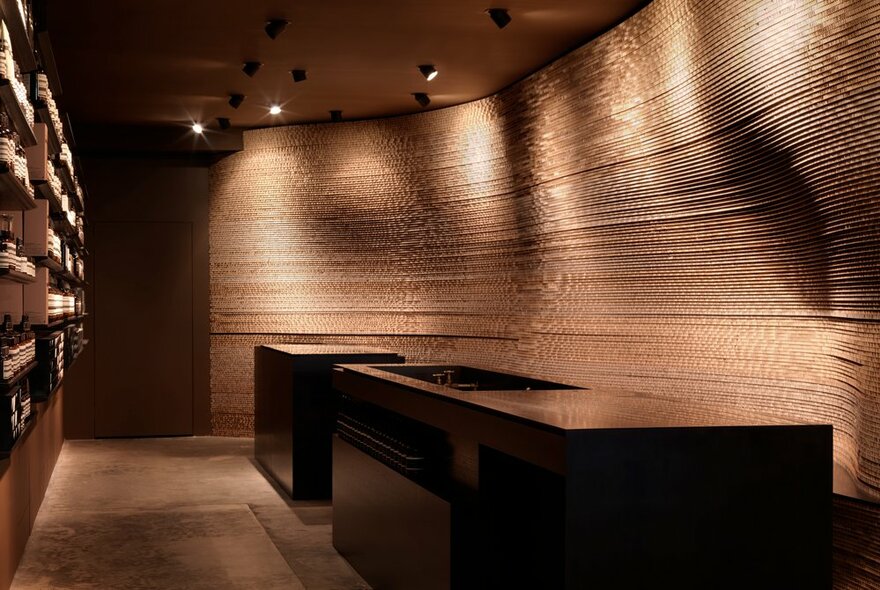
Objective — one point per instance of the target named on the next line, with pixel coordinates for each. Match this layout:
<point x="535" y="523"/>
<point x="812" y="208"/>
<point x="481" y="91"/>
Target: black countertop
<point x="578" y="409"/>
<point x="324" y="349"/>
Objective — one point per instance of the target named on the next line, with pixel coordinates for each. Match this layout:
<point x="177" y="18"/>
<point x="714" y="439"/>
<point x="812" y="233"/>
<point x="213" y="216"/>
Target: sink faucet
<point x="444" y="378"/>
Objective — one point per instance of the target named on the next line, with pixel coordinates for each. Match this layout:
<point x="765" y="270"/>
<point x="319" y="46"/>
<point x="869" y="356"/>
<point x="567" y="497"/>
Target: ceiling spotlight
<point x="298" y="75"/>
<point x="275" y="110"/>
<point x="422" y="98"/>
<point x="428" y="71"/>
<point x="499" y="16"/>
<point x="235" y="100"/>
<point x="223" y="122"/>
<point x="336" y="116"/>
<point x="197" y="128"/>
<point x="251" y="67"/>
<point x="275" y="27"/>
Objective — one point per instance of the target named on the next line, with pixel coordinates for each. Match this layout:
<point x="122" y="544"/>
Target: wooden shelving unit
<point x="38" y="445"/>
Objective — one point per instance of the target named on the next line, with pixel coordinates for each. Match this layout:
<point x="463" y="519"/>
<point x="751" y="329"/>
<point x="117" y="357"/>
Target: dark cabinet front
<point x="295" y="412"/>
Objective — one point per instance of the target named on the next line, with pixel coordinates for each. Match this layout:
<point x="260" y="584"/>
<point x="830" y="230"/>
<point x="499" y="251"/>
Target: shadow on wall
<point x="760" y="176"/>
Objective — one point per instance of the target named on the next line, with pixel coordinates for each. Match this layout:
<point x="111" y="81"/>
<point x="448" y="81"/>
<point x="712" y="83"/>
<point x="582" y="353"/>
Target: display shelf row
<point x="16" y="23"/>
<point x="14" y="276"/>
<point x="59" y="323"/>
<point x="16" y="113"/>
<point x="55" y="267"/>
<point x="7" y="383"/>
<point x="50" y="263"/>
<point x="14" y="196"/>
<point x="43" y="190"/>
<point x="57" y="271"/>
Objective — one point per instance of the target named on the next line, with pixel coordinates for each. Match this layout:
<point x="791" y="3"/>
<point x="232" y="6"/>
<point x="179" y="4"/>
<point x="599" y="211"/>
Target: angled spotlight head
<point x="197" y="128"/>
<point x="235" y="100"/>
<point x="336" y="116"/>
<point x="499" y="16"/>
<point x="251" y="67"/>
<point x="298" y="75"/>
<point x="422" y="98"/>
<point x="428" y="71"/>
<point x="223" y="122"/>
<point x="275" y="27"/>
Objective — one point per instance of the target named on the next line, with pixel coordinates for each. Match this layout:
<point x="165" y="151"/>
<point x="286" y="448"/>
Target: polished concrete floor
<point x="187" y="513"/>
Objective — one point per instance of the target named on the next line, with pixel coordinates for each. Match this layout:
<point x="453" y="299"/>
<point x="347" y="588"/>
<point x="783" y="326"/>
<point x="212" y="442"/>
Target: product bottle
<point x="8" y="247"/>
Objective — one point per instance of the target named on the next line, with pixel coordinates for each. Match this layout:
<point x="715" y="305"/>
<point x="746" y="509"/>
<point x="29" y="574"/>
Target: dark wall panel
<point x="685" y="207"/>
<point x="143" y="329"/>
<point x="146" y="189"/>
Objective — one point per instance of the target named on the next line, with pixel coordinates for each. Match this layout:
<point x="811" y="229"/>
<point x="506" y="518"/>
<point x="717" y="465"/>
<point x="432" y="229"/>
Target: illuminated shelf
<point x="70" y="278"/>
<point x="14" y="276"/>
<point x="63" y="172"/>
<point x="22" y="49"/>
<point x="49" y="263"/>
<point x="43" y="189"/>
<point x="7" y="383"/>
<point x="13" y="194"/>
<point x="16" y="114"/>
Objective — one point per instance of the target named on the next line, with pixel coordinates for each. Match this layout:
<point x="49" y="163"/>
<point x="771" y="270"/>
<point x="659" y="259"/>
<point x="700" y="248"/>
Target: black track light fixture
<point x="298" y="75"/>
<point x="223" y="122"/>
<point x="251" y="67"/>
<point x="336" y="116"/>
<point x="422" y="98"/>
<point x="275" y="27"/>
<point x="235" y="100"/>
<point x="499" y="16"/>
<point x="428" y="71"/>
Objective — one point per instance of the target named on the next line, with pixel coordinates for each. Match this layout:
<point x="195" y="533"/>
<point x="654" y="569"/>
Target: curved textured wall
<point x="686" y="206"/>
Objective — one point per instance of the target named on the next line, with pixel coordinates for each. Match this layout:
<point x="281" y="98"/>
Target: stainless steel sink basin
<point x="465" y="378"/>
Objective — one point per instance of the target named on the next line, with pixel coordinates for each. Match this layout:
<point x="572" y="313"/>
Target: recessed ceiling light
<point x="235" y="100"/>
<point x="275" y="27"/>
<point x="336" y="116"/>
<point x="275" y="110"/>
<point x="428" y="71"/>
<point x="422" y="98"/>
<point x="499" y="16"/>
<point x="251" y="67"/>
<point x="197" y="128"/>
<point x="223" y="122"/>
<point x="298" y="75"/>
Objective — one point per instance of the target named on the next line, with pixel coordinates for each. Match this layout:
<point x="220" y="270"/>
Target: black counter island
<point x="441" y="482"/>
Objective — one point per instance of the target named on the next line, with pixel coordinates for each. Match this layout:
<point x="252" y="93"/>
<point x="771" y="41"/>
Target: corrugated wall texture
<point x="686" y="206"/>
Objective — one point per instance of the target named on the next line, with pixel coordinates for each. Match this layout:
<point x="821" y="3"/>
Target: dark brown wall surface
<point x="144" y="379"/>
<point x="686" y="206"/>
<point x="143" y="190"/>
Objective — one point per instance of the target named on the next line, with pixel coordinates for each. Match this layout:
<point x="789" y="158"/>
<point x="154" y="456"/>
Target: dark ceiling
<point x="161" y="62"/>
